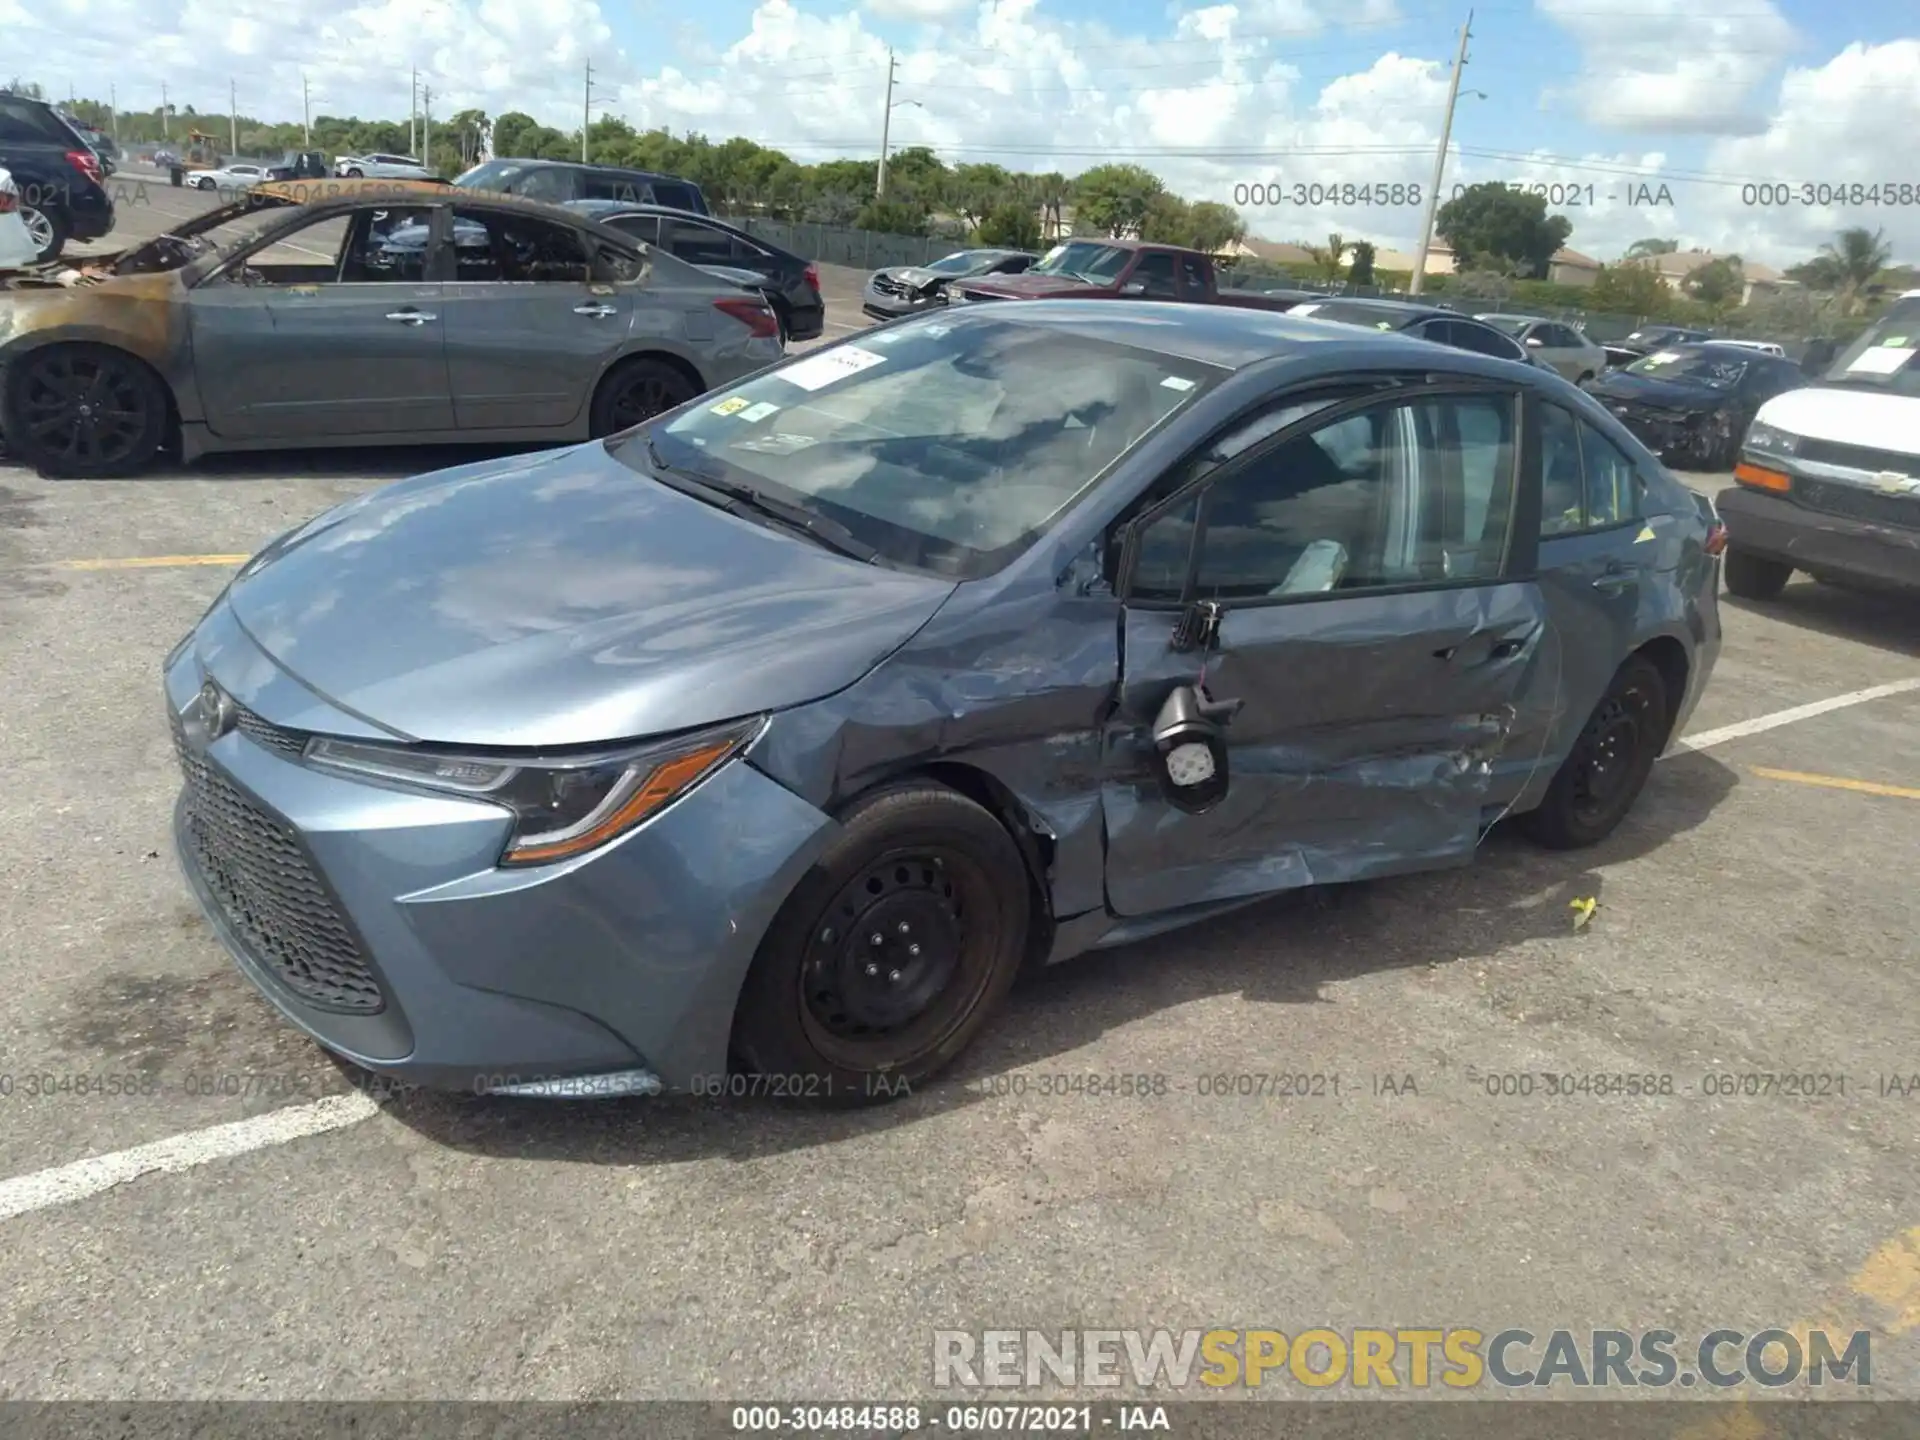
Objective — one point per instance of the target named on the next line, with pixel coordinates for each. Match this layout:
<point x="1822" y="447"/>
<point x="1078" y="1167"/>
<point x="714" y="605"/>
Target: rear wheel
<point x="1608" y="767"/>
<point x="354" y="172"/>
<point x="1755" y="577"/>
<point x="634" y="393"/>
<point x="47" y="229"/>
<point x="83" y="411"/>
<point x="892" y="952"/>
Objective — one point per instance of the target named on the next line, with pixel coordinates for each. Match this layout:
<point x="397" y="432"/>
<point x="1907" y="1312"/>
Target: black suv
<point x="63" y="194"/>
<point x="792" y="281"/>
<point x="558" y="181"/>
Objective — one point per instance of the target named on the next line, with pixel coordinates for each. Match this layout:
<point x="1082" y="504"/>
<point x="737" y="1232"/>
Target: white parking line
<point x="66" y="1183"/>
<point x="1760" y="723"/>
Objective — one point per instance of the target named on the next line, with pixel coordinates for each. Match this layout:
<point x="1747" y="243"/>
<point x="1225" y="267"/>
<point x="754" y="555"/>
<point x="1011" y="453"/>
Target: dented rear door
<point x="1377" y="692"/>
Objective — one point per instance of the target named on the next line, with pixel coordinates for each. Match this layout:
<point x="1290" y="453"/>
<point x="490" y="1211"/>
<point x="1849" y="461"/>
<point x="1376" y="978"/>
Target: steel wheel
<point x="39" y="230"/>
<point x="85" y="411"/>
<point x="1607" y="755"/>
<point x="890" y="954"/>
<point x="890" y="944"/>
<point x="1609" y="762"/>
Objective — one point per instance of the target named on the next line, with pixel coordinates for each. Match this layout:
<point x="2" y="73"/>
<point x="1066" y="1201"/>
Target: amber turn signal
<point x="1761" y="479"/>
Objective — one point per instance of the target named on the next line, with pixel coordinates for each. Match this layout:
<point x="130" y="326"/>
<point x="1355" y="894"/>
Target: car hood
<point x="1863" y="418"/>
<point x="564" y="598"/>
<point x="1665" y="394"/>
<point x="918" y="276"/>
<point x="1030" y="286"/>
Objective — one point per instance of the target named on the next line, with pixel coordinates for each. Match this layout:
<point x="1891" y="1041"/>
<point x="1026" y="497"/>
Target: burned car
<point x="353" y="312"/>
<point x="788" y="727"/>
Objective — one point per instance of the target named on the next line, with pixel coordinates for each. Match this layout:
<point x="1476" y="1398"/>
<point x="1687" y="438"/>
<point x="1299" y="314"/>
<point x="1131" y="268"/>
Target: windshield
<point x="965" y="262"/>
<point x="1883" y="358"/>
<point x="493" y="175"/>
<point x="1692" y="367"/>
<point x="946" y="447"/>
<point x="1084" y="260"/>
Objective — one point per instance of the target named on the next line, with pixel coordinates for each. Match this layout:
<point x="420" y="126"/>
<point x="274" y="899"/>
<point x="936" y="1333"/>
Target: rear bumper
<point x="1775" y="528"/>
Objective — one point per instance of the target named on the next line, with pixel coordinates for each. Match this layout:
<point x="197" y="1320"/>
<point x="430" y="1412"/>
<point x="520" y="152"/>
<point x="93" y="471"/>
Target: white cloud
<point x="1673" y="66"/>
<point x="1220" y="104"/>
<point x="918" y="9"/>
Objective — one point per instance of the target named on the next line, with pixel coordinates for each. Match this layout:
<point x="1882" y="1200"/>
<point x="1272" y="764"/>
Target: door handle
<point x="1613" y="580"/>
<point x="1484" y="649"/>
<point x="598" y="312"/>
<point x="411" y="317"/>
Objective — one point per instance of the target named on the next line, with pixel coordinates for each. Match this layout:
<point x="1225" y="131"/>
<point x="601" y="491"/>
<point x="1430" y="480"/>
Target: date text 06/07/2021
<point x="847" y="1421"/>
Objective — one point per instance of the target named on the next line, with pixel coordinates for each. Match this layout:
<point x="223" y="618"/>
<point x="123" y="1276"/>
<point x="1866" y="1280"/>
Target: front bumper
<point x="888" y="305"/>
<point x="376" y="920"/>
<point x="1821" y="543"/>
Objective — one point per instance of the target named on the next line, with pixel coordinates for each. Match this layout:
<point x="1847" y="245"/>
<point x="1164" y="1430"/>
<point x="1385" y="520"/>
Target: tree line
<point x="1503" y="240"/>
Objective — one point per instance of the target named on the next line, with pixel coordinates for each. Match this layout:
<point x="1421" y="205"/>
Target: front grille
<point x="885" y="285"/>
<point x="270" y="895"/>
<point x="1857" y="503"/>
<point x="1857" y="457"/>
<point x="269" y="736"/>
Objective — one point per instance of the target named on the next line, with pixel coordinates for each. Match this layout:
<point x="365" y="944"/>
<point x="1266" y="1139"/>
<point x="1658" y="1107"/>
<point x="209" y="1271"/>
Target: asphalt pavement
<point x="189" y="1216"/>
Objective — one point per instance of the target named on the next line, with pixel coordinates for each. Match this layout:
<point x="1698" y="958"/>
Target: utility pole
<point x="233" y="120"/>
<point x="306" y="114"/>
<point x="886" y="128"/>
<point x="165" y="133"/>
<point x="426" y="127"/>
<point x="113" y="109"/>
<point x="413" y="116"/>
<point x="1440" y="164"/>
<point x="586" y="113"/>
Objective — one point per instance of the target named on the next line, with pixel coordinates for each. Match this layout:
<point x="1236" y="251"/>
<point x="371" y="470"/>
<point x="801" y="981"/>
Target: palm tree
<point x="1053" y="190"/>
<point x="1856" y="256"/>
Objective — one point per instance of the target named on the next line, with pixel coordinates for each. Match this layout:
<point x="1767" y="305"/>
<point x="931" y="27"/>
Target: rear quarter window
<point x="27" y="124"/>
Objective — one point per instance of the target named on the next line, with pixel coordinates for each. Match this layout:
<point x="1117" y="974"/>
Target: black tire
<point x="205" y="182"/>
<point x="1586" y="379"/>
<point x="51" y="230"/>
<point x="779" y="308"/>
<point x="85" y="412"/>
<point x="1755" y="577"/>
<point x="635" y="391"/>
<point x="820" y="1020"/>
<point x="354" y="172"/>
<point x="1608" y="767"/>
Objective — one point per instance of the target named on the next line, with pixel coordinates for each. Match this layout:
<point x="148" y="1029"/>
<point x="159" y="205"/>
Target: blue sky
<point x="1710" y="97"/>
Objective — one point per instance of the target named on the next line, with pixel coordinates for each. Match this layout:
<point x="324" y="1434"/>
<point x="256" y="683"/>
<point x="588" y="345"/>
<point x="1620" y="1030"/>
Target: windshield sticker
<point x="1646" y="534"/>
<point x="816" y="372"/>
<point x="759" y="412"/>
<point x="778" y="443"/>
<point x="1306" y="309"/>
<point x="1886" y="360"/>
<point x="1663" y="357"/>
<point x="732" y="406"/>
<point x="1177" y="382"/>
<point x="936" y="331"/>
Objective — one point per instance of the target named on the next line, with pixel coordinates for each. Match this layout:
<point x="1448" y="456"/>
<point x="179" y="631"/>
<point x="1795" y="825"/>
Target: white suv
<point x="381" y="167"/>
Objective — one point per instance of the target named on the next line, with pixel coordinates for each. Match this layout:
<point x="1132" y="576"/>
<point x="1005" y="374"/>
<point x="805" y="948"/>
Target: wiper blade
<point x="830" y="533"/>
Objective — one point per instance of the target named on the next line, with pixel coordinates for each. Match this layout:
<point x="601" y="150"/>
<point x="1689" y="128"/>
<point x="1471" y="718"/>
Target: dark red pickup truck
<point x="1102" y="269"/>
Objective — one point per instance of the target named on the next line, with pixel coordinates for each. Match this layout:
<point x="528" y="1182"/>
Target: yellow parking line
<point x="150" y="562"/>
<point x="1837" y="782"/>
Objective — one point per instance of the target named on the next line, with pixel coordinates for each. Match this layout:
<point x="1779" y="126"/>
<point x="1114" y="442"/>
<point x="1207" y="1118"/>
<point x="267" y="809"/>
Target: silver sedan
<point x="1557" y="346"/>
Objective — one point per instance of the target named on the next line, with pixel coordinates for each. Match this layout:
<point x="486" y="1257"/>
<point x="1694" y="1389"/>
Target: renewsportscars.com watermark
<point x="1400" y="1358"/>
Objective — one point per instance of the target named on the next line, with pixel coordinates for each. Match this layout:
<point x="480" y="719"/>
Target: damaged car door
<point x="1327" y="641"/>
<point x="330" y="328"/>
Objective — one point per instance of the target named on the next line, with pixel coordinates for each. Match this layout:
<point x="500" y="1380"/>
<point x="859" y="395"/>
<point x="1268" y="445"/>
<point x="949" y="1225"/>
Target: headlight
<point x="561" y="807"/>
<point x="1771" y="441"/>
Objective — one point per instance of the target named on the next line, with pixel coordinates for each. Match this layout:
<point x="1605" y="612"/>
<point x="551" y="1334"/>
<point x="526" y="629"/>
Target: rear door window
<point x="547" y="183"/>
<point x="494" y="247"/>
<point x="627" y="189"/>
<point x="695" y="243"/>
<point x="24" y="123"/>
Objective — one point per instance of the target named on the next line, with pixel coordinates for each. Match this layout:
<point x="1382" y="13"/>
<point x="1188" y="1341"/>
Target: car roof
<point x="1491" y="315"/>
<point x="1232" y="337"/>
<point x="1402" y="310"/>
<point x="586" y="165"/>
